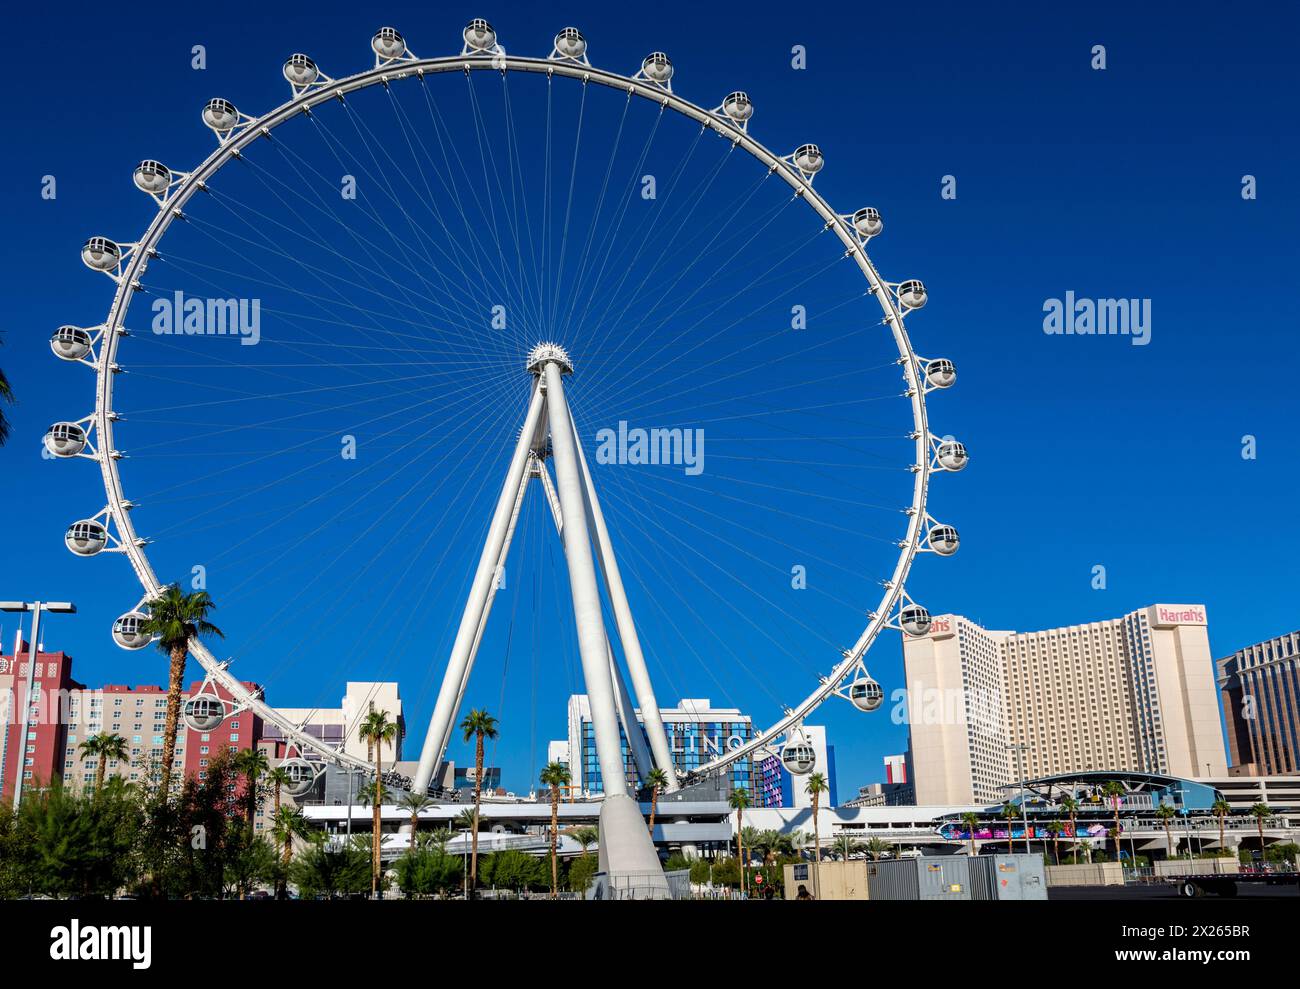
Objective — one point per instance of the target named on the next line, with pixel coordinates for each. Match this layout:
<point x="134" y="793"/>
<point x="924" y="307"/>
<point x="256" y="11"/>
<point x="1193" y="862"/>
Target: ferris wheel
<point x="472" y="343"/>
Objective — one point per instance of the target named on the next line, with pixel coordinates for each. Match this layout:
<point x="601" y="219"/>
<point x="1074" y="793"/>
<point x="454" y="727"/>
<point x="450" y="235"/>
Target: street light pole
<point x="1019" y="748"/>
<point x="35" y="607"/>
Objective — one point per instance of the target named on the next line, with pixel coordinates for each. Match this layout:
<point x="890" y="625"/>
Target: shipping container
<point x="941" y="877"/>
<point x="1008" y="877"/>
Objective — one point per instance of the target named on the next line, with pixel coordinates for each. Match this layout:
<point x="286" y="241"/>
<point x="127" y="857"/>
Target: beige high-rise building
<point x="987" y="708"/>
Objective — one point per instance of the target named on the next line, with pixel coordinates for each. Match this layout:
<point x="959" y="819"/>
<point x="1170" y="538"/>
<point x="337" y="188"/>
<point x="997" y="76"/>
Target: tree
<point x="738" y="800"/>
<point x="467" y="820"/>
<point x="1164" y="814"/>
<point x="1221" y="809"/>
<point x="844" y="846"/>
<point x="581" y="871"/>
<point x="1054" y="829"/>
<point x="970" y="821"/>
<point x="249" y="860"/>
<point x="586" y="836"/>
<point x="103" y="747"/>
<point x="6" y="398"/>
<point x="815" y="787"/>
<point x="479" y="725"/>
<point x="876" y="847"/>
<point x="325" y="871"/>
<point x="277" y="779"/>
<point x="71" y="844"/>
<point x="1071" y="807"/>
<point x="177" y="619"/>
<point x="556" y="775"/>
<point x="1114" y="790"/>
<point x="1010" y="811"/>
<point x="1261" y="812"/>
<point x="414" y="804"/>
<point x="657" y="781"/>
<point x="377" y="730"/>
<point x="252" y="763"/>
<point x="287" y="824"/>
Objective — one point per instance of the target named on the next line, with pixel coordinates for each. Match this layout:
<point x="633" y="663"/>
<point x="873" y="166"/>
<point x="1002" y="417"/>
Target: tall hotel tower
<point x="988" y="708"/>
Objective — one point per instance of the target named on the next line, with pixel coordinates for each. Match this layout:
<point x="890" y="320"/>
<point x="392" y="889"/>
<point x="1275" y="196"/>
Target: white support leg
<point x="627" y="852"/>
<point x="626" y="711"/>
<point x="462" y="651"/>
<point x="627" y="717"/>
<point x="636" y="667"/>
<point x="592" y="644"/>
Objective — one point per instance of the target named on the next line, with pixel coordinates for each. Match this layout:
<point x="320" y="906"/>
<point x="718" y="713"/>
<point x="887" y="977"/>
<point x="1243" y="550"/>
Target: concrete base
<point x="627" y="856"/>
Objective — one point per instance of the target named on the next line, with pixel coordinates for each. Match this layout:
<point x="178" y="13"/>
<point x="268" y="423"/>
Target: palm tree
<point x="287" y="824"/>
<point x="1071" y="807"/>
<point x="1114" y="789"/>
<point x="844" y="846"/>
<point x="467" y="820"/>
<point x="556" y="775"/>
<point x="1221" y="809"/>
<point x="414" y="804"/>
<point x="176" y="618"/>
<point x="1260" y="812"/>
<point x="252" y="763"/>
<point x="103" y="747"/>
<point x="377" y="730"/>
<point x="875" y="847"/>
<point x="657" y="781"/>
<point x="7" y="397"/>
<point x="970" y="821"/>
<point x="1164" y="814"/>
<point x="1054" y="829"/>
<point x="585" y="836"/>
<point x="1010" y="811"/>
<point x="815" y="787"/>
<point x="738" y="800"/>
<point x="479" y="725"/>
<point x="278" y="779"/>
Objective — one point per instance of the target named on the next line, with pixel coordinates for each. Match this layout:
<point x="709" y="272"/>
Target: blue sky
<point x="1086" y="451"/>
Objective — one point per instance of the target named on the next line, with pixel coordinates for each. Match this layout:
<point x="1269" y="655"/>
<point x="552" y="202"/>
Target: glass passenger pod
<point x="65" y="439"/>
<point x="101" y="254"/>
<point x="220" y="115"/>
<point x="86" y="537"/>
<point x="914" y="619"/>
<point x="302" y="777"/>
<point x="952" y="455"/>
<point x="479" y="35"/>
<point x="70" y="343"/>
<point x="799" y="758"/>
<point x="867" y="222"/>
<point x="866" y="694"/>
<point x="203" y="713"/>
<point x="738" y="107"/>
<point x="388" y="44"/>
<point x="657" y="67"/>
<point x="941" y="373"/>
<point x="944" y="540"/>
<point x="570" y="43"/>
<point x="808" y="159"/>
<point x="912" y="294"/>
<point x="300" y="70"/>
<point x="127" y="631"/>
<point x="152" y="177"/>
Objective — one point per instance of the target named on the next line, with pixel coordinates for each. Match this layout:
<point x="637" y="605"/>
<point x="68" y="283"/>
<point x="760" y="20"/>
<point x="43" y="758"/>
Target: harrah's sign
<point x="1178" y="614"/>
<point x="940" y="627"/>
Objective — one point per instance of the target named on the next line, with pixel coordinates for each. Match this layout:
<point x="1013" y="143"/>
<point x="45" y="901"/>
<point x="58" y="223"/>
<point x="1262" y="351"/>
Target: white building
<point x="339" y="726"/>
<point x="988" y="707"/>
